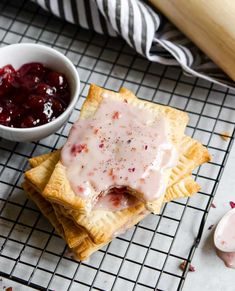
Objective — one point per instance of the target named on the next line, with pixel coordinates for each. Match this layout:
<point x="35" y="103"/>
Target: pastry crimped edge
<point x="42" y="169"/>
<point x="74" y="234"/>
<point x="65" y="227"/>
<point x="87" y="247"/>
<point x="101" y="224"/>
<point x="59" y="189"/>
<point x="192" y="154"/>
<point x="36" y="161"/>
<point x="75" y="244"/>
<point x="81" y="245"/>
<point x="106" y="222"/>
<point x="77" y="239"/>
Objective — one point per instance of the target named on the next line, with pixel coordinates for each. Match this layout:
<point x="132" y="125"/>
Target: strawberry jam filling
<point x="116" y="199"/>
<point x="32" y="95"/>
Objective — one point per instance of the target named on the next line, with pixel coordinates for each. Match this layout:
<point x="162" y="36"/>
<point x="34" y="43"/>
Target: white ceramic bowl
<point x="19" y="54"/>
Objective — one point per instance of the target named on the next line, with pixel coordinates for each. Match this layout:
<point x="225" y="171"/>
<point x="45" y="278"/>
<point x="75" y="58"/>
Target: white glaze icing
<point x="121" y="145"/>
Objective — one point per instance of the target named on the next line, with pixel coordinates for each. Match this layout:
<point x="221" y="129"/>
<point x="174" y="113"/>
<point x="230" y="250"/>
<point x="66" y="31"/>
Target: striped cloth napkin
<point x="143" y="28"/>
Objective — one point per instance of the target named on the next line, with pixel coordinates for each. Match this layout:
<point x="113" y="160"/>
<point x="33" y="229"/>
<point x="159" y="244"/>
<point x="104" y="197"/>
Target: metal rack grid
<point x="147" y="257"/>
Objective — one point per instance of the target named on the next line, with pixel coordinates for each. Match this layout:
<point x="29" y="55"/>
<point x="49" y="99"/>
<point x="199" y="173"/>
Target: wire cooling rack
<point x="147" y="257"/>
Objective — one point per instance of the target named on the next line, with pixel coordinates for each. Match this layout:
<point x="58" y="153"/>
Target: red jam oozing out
<point x="116" y="199"/>
<point x="31" y="96"/>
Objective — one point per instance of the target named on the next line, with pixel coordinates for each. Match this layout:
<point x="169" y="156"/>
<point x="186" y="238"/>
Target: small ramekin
<point x="19" y="54"/>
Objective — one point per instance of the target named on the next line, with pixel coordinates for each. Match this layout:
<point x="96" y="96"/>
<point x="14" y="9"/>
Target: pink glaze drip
<point x="227" y="258"/>
<point x="121" y="145"/>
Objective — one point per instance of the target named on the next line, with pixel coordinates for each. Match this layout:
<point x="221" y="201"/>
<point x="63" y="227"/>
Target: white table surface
<point x="210" y="274"/>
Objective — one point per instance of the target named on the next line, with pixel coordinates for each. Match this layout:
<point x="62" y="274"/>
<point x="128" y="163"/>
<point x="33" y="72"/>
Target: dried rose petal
<point x="211" y="226"/>
<point x="192" y="268"/>
<point x="183" y="266"/>
<point x="78" y="148"/>
<point x="80" y="189"/>
<point x="232" y="204"/>
<point x="213" y="205"/>
<point x="116" y="115"/>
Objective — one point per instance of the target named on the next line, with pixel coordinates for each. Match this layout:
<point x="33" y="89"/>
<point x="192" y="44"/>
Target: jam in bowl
<point x="39" y="87"/>
<point x="32" y="95"/>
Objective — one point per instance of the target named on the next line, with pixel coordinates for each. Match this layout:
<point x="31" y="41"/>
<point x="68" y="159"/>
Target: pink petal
<point x="232" y="204"/>
<point x="183" y="265"/>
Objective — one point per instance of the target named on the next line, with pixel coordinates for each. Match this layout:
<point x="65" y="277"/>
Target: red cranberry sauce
<point x="31" y="96"/>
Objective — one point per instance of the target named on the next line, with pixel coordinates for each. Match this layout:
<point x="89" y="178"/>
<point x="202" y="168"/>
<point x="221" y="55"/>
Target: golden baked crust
<point x="65" y="227"/>
<point x="35" y="161"/>
<point x="59" y="189"/>
<point x="42" y="168"/>
<point x="87" y="247"/>
<point x="185" y="187"/>
<point x="45" y="207"/>
<point x="192" y="154"/>
<point x="100" y="224"/>
<point x="87" y="231"/>
<point x="81" y="245"/>
<point x="105" y="221"/>
<point x="76" y="237"/>
<point x="74" y="234"/>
